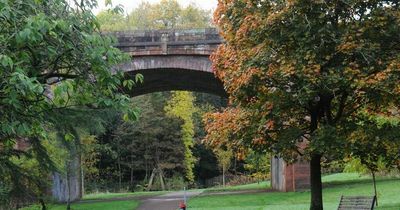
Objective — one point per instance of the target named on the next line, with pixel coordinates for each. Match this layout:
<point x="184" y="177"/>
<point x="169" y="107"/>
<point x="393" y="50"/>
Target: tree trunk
<point x="376" y="194"/>
<point x="119" y="174"/>
<point x="147" y="170"/>
<point x="43" y="204"/>
<point x="68" y="187"/>
<point x="131" y="170"/>
<point x="82" y="179"/>
<point x="223" y="176"/>
<point x="161" y="179"/>
<point x="151" y="180"/>
<point x="316" y="183"/>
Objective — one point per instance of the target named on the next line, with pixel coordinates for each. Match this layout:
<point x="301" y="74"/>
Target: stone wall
<point x="168" y="42"/>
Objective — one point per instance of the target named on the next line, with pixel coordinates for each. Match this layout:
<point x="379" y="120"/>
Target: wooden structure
<point x="289" y="177"/>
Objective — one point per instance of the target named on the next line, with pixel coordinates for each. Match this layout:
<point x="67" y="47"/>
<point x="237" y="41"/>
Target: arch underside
<point x="157" y="80"/>
<point x="173" y="72"/>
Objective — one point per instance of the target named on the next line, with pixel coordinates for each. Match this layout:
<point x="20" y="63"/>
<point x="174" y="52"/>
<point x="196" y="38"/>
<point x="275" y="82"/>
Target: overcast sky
<point x="130" y="4"/>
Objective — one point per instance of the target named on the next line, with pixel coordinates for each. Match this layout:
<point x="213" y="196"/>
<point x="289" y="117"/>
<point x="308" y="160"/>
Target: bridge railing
<point x="172" y="41"/>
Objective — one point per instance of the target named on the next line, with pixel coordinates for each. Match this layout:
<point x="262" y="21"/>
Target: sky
<point x="130" y="4"/>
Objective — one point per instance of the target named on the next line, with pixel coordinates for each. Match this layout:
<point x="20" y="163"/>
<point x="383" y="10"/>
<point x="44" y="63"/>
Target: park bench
<point x="357" y="202"/>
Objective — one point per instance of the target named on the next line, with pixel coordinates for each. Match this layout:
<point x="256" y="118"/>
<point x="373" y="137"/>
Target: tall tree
<point x="52" y="58"/>
<point x="181" y="106"/>
<point x="316" y="72"/>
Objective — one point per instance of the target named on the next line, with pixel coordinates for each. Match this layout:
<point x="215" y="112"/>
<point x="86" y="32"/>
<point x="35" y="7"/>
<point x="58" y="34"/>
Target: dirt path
<point x="168" y="201"/>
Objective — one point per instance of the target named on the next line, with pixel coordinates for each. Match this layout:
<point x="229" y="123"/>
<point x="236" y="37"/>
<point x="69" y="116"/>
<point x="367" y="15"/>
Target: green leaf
<point x="69" y="137"/>
<point x="6" y="61"/>
<point x="139" y="78"/>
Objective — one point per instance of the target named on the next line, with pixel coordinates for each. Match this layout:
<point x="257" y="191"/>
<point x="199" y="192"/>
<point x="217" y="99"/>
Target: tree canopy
<point x="53" y="60"/>
<point x="167" y="14"/>
<point x="325" y="73"/>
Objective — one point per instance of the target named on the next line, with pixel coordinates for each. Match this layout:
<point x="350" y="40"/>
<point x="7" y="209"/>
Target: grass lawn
<point x="336" y="185"/>
<point x="105" y="201"/>
<point x="106" y="196"/>
<point x="103" y="205"/>
<point x="253" y="186"/>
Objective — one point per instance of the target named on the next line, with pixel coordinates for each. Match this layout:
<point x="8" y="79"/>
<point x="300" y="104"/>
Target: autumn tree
<point x="310" y="76"/>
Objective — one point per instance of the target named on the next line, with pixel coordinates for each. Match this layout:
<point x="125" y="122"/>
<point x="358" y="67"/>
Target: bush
<point x="4" y="196"/>
<point x="355" y="165"/>
<point x="176" y="182"/>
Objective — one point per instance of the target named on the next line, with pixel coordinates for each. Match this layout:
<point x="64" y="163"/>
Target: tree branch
<point x="342" y="104"/>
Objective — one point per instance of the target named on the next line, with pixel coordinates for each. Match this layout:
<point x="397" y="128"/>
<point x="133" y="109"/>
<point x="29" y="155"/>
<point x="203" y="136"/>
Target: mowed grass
<point x="100" y="205"/>
<point x="252" y="186"/>
<point x="103" y="201"/>
<point x="107" y="196"/>
<point x="335" y="186"/>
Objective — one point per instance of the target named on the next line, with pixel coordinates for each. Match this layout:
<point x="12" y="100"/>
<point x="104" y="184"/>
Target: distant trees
<point x="130" y="151"/>
<point x="167" y="14"/>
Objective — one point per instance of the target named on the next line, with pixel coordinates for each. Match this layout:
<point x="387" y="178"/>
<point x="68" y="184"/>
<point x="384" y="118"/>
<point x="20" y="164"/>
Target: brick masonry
<point x="171" y="59"/>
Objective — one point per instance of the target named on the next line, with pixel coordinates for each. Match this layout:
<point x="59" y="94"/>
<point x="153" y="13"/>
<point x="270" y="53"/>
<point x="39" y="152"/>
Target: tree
<point x="167" y="14"/>
<point x="314" y="72"/>
<point x="129" y="151"/>
<point x="181" y="106"/>
<point x="224" y="158"/>
<point x="206" y="166"/>
<point x="258" y="164"/>
<point x="142" y="17"/>
<point x="194" y="17"/>
<point x="52" y="58"/>
<point x="111" y="21"/>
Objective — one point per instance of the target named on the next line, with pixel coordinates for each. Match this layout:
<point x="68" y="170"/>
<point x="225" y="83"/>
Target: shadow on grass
<point x="362" y="180"/>
<point x="393" y="206"/>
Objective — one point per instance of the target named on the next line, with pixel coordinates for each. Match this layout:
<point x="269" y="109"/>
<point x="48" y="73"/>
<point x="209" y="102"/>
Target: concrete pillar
<point x="164" y="43"/>
<point x="289" y="177"/>
<point x="71" y="188"/>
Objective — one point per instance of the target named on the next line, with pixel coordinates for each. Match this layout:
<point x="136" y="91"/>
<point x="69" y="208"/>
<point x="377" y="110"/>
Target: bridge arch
<point x="174" y="72"/>
<point x="171" y="59"/>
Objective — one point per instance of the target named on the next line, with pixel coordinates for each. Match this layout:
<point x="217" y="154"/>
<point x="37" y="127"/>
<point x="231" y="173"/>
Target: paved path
<point x="169" y="201"/>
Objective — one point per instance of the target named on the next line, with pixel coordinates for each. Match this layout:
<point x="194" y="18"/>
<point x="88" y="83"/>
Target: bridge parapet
<point x="168" y="42"/>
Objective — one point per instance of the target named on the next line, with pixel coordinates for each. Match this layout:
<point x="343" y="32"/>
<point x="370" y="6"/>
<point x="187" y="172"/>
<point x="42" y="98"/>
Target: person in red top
<point x="182" y="206"/>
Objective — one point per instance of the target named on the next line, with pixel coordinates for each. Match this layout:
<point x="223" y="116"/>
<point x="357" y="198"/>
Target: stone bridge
<point x="179" y="60"/>
<point x="171" y="59"/>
